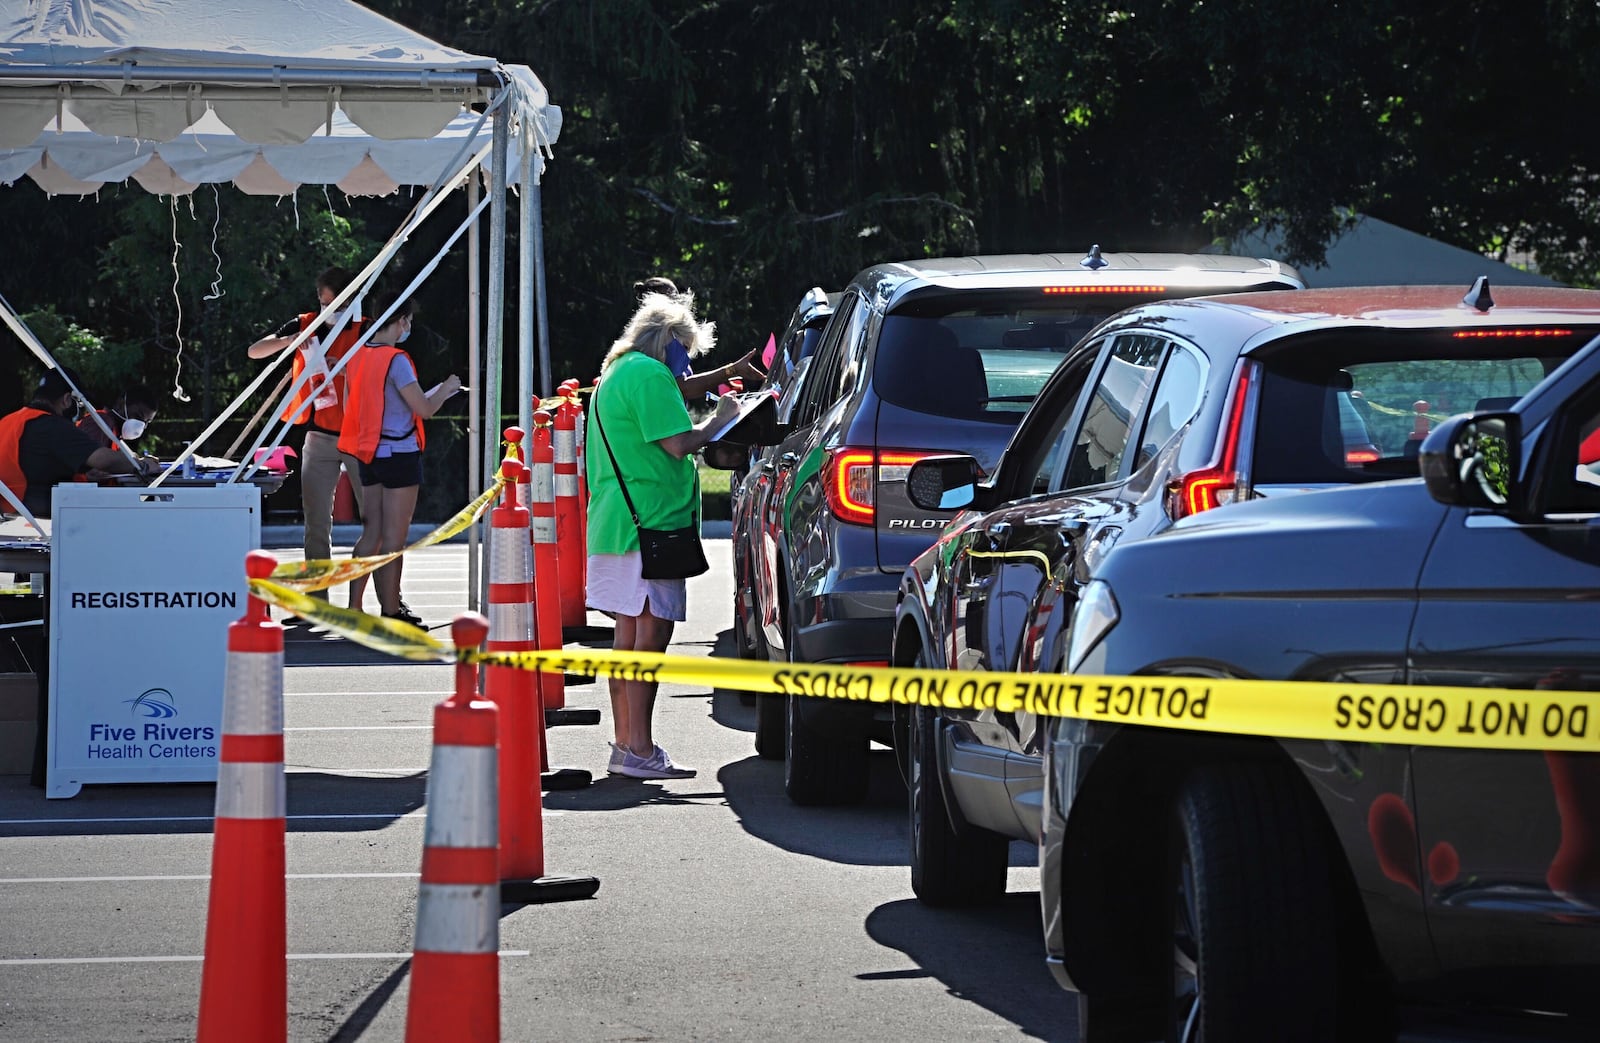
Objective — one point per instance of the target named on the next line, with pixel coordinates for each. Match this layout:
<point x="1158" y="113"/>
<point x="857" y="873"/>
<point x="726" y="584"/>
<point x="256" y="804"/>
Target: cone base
<point x="573" y="680"/>
<point x="549" y="889"/>
<point x="571" y="715"/>
<point x="584" y="632"/>
<point x="564" y="778"/>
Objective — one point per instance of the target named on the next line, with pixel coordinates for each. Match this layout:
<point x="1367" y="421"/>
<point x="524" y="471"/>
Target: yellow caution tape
<point x="322" y="574"/>
<point x="1483" y="718"/>
<point x="391" y="636"/>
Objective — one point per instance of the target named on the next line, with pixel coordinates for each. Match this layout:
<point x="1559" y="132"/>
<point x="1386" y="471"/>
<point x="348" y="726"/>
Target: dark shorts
<point x="393" y="472"/>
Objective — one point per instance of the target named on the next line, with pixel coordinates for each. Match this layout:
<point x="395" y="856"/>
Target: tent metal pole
<point x="525" y="262"/>
<point x="474" y="413"/>
<point x="535" y="202"/>
<point x="496" y="314"/>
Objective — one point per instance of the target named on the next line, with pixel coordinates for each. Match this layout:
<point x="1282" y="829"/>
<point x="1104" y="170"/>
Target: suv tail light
<point x="1220" y="481"/>
<point x="850" y="479"/>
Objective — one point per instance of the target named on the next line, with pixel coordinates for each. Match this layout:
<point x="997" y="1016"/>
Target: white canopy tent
<point x="267" y="96"/>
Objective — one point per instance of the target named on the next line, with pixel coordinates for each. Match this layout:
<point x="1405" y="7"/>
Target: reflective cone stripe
<point x="581" y="432"/>
<point x="244" y="981"/>
<point x="546" y="559"/>
<point x="515" y="692"/>
<point x="455" y="964"/>
<point x="569" y="536"/>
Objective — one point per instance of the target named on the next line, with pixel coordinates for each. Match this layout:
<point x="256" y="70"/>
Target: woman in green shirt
<point x="638" y="411"/>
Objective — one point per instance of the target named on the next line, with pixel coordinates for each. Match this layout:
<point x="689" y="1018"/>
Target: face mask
<point x="403" y="335"/>
<point x="132" y="428"/>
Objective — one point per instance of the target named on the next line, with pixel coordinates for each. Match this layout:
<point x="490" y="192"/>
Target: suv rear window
<point x="983" y="363"/>
<point x="1344" y="413"/>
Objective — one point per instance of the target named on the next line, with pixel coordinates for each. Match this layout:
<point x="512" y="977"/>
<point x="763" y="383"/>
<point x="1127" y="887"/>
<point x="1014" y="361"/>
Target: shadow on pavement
<point x="317" y="803"/>
<point x="992" y="956"/>
<point x="616" y="793"/>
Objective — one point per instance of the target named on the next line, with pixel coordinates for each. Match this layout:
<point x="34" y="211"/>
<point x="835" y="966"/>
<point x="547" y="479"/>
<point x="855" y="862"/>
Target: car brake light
<point x="1360" y="456"/>
<point x="851" y="483"/>
<point x="1532" y="331"/>
<point x="1058" y="291"/>
<point x="1218" y="484"/>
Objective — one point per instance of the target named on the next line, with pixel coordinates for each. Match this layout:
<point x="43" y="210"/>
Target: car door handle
<point x="788" y="460"/>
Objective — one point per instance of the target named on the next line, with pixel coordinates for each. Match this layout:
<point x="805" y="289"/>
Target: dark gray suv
<point x="919" y="358"/>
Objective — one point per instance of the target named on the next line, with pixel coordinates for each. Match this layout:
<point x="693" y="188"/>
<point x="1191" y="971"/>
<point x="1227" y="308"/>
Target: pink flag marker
<point x="770" y="352"/>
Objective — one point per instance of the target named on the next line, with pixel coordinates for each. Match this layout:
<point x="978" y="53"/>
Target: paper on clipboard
<point x="436" y="387"/>
<point x="748" y="404"/>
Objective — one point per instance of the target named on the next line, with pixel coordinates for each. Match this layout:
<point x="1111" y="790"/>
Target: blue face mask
<point x="403" y="335"/>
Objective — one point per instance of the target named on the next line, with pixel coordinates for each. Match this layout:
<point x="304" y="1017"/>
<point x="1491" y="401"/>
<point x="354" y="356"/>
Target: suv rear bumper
<point x="858" y="628"/>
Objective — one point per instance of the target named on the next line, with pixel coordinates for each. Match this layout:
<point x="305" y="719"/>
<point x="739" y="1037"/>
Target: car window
<point x="824" y="377"/>
<point x="977" y="357"/>
<point x="1335" y="413"/>
<point x="1114" y="406"/>
<point x="851" y="352"/>
<point x="1175" y="402"/>
<point x="791" y="394"/>
<point x="1576" y="478"/>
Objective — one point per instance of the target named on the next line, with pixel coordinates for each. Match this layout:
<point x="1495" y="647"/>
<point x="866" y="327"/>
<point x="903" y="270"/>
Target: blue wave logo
<point x="153" y="702"/>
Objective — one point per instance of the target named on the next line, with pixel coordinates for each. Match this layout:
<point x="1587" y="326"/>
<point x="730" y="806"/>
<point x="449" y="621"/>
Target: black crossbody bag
<point x="663" y="553"/>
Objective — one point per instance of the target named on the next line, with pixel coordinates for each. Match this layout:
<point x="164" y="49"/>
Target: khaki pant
<point x="320" y="461"/>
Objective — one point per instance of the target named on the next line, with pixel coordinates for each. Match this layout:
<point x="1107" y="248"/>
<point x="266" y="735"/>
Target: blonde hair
<point x="660" y="320"/>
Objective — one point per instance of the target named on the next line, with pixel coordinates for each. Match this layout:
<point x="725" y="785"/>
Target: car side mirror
<point x="943" y="483"/>
<point x="725" y="456"/>
<point x="1471" y="461"/>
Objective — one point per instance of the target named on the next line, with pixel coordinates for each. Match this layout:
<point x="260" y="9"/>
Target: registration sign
<point x="143" y="585"/>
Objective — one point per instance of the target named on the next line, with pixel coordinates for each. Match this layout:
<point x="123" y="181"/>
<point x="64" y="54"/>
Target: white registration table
<point x="143" y="585"/>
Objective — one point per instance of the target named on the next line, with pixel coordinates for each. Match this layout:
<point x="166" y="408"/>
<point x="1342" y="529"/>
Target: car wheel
<point x="1253" y="952"/>
<point x="820" y="768"/>
<point x="747" y="638"/>
<point x="770" y="725"/>
<point x="947" y="869"/>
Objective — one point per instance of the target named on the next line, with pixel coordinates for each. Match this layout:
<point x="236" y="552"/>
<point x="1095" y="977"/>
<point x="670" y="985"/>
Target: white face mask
<point x="132" y="428"/>
<point x="403" y="335"/>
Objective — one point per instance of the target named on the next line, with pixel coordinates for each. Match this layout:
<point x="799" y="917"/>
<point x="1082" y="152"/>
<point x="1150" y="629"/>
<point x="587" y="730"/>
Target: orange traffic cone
<point x="569" y="520"/>
<point x="455" y="962"/>
<point x="244" y="982"/>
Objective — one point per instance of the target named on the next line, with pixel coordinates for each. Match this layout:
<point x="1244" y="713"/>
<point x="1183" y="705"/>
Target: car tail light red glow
<point x="1062" y="291"/>
<point x="1360" y="456"/>
<point x="1217" y="484"/>
<point x="851" y="477"/>
<point x="1531" y="331"/>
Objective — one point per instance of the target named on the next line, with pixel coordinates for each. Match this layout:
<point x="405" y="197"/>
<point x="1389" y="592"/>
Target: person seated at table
<point x="127" y="419"/>
<point x="40" y="446"/>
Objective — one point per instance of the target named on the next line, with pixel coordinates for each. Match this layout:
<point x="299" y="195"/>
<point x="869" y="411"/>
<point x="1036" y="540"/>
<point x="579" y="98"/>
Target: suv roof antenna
<point x="1478" y="297"/>
<point x="1094" y="261"/>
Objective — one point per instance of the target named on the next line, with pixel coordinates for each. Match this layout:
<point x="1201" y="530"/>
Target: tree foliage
<point x="753" y="149"/>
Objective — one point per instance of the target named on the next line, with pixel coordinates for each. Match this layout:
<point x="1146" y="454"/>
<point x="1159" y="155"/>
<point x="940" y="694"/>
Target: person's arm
<point x="427" y="405"/>
<point x="696" y="385"/>
<point x="275" y="341"/>
<point x="113" y="462"/>
<point x="684" y="443"/>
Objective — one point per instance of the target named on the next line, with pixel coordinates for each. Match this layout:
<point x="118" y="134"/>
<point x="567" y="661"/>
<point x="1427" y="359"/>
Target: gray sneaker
<point x="617" y="753"/>
<point x="656" y="766"/>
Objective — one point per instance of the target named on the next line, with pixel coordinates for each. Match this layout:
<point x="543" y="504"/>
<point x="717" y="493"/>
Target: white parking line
<point x="363" y="728"/>
<point x="195" y="876"/>
<point x="418" y="814"/>
<point x="37" y="961"/>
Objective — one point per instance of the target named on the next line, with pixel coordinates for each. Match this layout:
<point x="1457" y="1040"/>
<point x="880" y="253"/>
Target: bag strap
<point x="594" y="404"/>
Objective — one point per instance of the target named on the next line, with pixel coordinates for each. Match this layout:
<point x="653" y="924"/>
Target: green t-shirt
<point x="637" y="404"/>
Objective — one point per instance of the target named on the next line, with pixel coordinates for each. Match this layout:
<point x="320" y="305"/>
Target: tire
<point x="747" y="639"/>
<point x="947" y="869"/>
<point x="820" y="769"/>
<point x="1253" y="926"/>
<point x="770" y="726"/>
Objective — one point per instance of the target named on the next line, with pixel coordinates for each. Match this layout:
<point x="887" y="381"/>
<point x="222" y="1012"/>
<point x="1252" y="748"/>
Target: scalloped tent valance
<point x="73" y="160"/>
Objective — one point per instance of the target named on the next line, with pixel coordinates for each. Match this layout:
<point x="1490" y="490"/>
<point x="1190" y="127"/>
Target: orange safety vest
<point x="88" y="427"/>
<point x="363" y="408"/>
<point x="11" y="427"/>
<point x="330" y="419"/>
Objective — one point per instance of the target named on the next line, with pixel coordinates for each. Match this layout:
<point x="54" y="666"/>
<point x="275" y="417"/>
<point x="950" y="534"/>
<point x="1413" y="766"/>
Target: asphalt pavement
<point x="724" y="912"/>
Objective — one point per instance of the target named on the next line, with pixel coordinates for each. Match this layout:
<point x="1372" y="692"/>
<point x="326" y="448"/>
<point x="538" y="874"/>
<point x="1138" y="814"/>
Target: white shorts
<point x="615" y="586"/>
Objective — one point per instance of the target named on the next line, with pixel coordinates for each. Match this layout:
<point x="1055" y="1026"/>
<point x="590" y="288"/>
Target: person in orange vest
<point x="319" y="407"/>
<point x="128" y="419"/>
<point x="385" y="408"/>
<point x="40" y="446"/>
